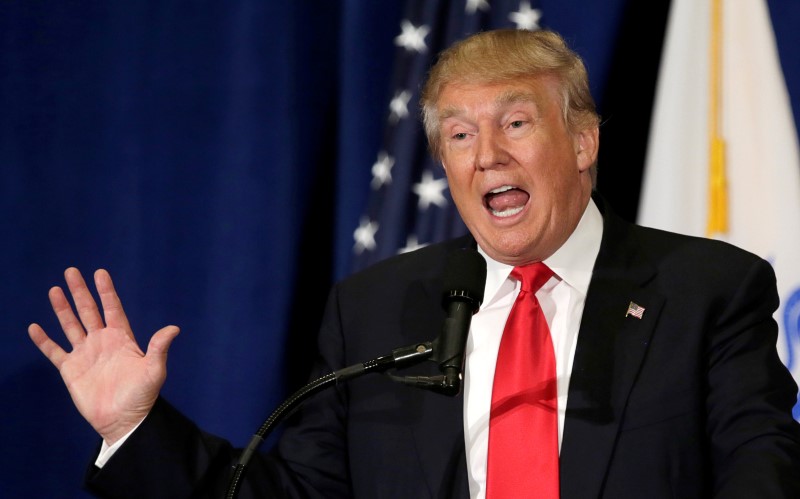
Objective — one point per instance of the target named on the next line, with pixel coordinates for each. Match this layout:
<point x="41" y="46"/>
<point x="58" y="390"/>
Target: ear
<point x="587" y="143"/>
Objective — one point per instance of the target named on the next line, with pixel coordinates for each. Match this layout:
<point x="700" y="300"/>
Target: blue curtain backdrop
<point x="215" y="157"/>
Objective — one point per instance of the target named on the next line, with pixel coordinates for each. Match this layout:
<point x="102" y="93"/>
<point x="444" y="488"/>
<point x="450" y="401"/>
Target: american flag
<point x="635" y="310"/>
<point x="409" y="205"/>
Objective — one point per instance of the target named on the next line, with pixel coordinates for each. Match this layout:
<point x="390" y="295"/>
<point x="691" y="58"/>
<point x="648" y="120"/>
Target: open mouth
<point x="505" y="201"/>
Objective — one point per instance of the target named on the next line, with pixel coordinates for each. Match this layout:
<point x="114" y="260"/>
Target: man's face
<point x="519" y="177"/>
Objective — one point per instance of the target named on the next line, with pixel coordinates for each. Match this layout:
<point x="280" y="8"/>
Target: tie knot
<point x="532" y="276"/>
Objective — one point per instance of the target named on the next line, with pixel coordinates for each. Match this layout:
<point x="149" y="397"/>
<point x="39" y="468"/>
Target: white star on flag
<point x="382" y="170"/>
<point x="430" y="191"/>
<point x="525" y="17"/>
<point x="476" y="5"/>
<point x="399" y="105"/>
<point x="412" y="37"/>
<point x="364" y="235"/>
<point x="412" y="244"/>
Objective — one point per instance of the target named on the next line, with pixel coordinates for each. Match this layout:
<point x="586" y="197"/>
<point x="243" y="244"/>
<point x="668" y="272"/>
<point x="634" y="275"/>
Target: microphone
<point x="464" y="281"/>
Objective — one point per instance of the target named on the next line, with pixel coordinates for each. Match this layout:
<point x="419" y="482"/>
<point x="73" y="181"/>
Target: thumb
<point x="160" y="342"/>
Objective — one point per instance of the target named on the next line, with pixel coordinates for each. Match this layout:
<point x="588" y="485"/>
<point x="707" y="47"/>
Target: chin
<point x="511" y="250"/>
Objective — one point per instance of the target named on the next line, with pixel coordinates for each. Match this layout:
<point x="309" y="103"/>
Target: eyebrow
<point x="504" y="99"/>
<point x="514" y="96"/>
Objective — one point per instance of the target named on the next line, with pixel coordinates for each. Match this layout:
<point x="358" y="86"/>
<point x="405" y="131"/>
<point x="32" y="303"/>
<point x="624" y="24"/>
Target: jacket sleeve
<point x="755" y="443"/>
<point x="168" y="456"/>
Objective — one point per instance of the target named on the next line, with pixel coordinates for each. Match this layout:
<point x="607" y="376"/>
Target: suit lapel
<point x="438" y="432"/>
<point x="611" y="347"/>
<point x="609" y="354"/>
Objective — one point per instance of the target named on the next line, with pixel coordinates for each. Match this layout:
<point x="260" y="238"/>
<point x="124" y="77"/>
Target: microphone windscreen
<point x="465" y="276"/>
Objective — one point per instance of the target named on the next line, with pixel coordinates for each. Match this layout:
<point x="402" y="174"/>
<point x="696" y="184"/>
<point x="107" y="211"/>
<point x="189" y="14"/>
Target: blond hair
<point x="504" y="55"/>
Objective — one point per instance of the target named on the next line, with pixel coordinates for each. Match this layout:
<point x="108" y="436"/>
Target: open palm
<point x="112" y="382"/>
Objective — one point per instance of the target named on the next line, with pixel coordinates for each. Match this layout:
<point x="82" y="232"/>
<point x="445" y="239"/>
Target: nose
<point x="491" y="150"/>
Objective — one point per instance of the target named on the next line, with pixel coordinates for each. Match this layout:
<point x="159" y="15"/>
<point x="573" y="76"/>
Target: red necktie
<point x="523" y="429"/>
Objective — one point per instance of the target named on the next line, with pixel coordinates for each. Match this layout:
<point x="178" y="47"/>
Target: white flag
<point x="748" y="107"/>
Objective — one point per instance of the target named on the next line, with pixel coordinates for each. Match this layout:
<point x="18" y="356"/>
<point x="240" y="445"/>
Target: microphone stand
<point x="465" y="278"/>
<point x="399" y="358"/>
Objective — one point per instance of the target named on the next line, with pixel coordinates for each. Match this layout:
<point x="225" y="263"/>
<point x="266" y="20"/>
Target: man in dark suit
<point x="667" y="378"/>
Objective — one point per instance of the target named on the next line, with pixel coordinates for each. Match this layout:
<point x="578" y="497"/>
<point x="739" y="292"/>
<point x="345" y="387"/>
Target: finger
<point x="112" y="306"/>
<point x="73" y="329"/>
<point x="48" y="347"/>
<point x="84" y="302"/>
<point x="160" y="343"/>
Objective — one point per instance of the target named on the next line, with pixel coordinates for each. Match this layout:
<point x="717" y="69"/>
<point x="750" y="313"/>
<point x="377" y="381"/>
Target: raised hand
<point x="112" y="382"/>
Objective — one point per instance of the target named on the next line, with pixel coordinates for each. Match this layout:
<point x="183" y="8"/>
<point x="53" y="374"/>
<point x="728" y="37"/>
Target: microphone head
<point x="464" y="278"/>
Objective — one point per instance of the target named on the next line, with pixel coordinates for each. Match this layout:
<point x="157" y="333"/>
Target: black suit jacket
<point x="691" y="400"/>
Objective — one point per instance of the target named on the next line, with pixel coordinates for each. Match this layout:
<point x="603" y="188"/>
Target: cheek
<point x="461" y="192"/>
<point x="557" y="171"/>
<point x="458" y="178"/>
<point x="467" y="200"/>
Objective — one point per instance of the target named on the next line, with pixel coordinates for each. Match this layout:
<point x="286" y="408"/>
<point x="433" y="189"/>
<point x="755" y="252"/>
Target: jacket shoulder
<point x="425" y="263"/>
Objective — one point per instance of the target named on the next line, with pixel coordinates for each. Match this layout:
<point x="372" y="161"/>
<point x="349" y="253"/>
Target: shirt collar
<point x="572" y="262"/>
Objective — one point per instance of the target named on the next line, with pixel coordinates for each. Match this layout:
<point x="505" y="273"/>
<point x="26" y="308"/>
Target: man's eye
<point x="517" y="123"/>
<point x="460" y="136"/>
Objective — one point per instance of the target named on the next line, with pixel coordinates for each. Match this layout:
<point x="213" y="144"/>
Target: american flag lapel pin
<point x="635" y="310"/>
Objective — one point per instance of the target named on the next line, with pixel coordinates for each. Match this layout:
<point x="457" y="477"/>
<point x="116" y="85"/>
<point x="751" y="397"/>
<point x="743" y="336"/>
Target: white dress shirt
<point x="562" y="299"/>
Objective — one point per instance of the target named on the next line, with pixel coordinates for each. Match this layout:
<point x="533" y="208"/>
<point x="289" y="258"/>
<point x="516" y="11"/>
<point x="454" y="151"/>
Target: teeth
<point x="501" y="189"/>
<point x="507" y="213"/>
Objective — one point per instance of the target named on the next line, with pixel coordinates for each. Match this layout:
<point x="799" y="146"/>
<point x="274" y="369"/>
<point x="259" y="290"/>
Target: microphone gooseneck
<point x="464" y="280"/>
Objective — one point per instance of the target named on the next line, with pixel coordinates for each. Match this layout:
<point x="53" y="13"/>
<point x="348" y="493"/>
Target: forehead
<point x="459" y="98"/>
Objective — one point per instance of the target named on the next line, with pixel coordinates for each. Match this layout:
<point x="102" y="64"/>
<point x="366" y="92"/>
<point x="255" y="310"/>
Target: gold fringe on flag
<point x="717" y="181"/>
